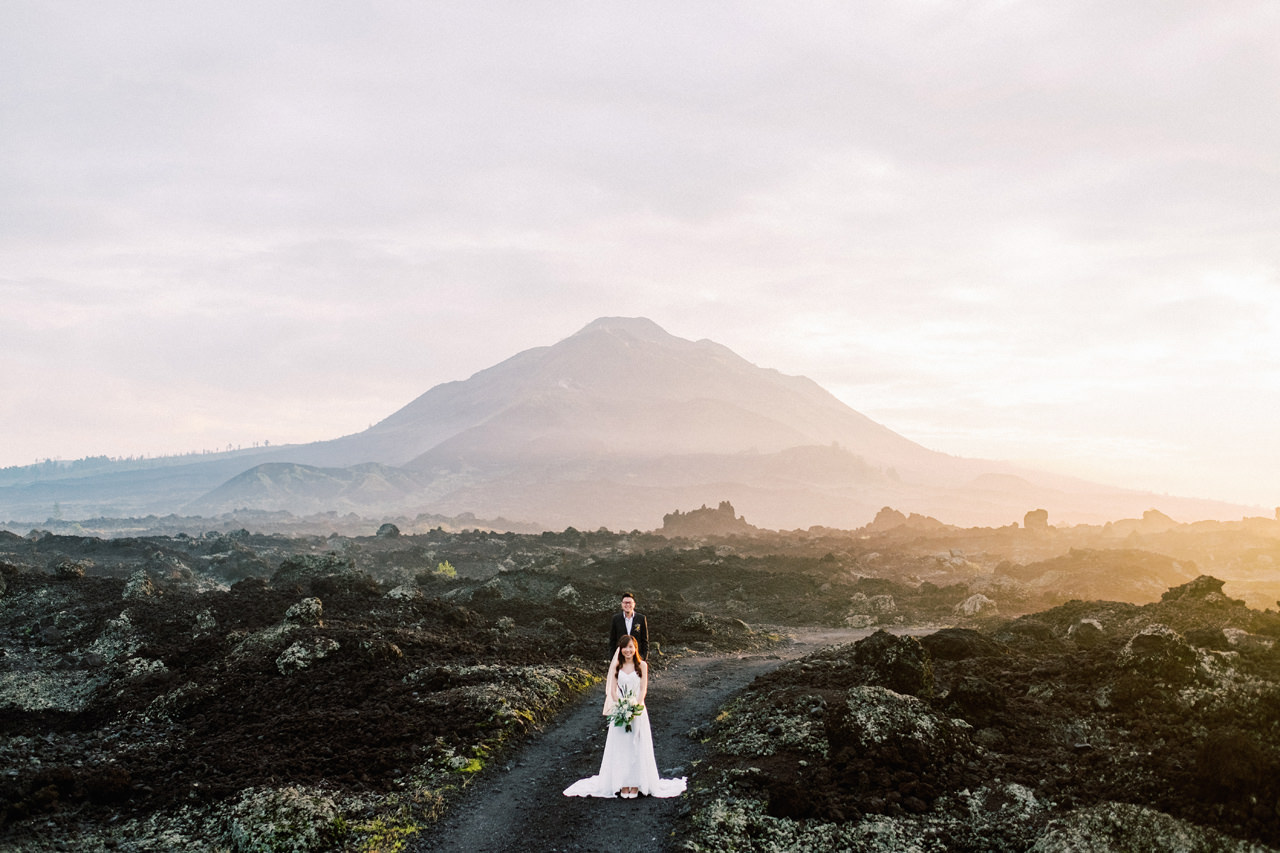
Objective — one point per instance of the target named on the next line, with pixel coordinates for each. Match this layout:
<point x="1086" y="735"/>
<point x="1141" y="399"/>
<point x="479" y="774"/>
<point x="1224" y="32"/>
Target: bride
<point x="628" y="767"/>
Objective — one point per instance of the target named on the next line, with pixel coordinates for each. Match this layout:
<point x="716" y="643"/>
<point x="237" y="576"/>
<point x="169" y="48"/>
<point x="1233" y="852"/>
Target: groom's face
<point x="628" y="605"/>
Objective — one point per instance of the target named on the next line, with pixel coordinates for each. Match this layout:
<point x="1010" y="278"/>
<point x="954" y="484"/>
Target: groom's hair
<point x="627" y="595"/>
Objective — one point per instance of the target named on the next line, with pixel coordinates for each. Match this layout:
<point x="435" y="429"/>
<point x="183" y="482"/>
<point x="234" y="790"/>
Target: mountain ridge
<point x="617" y="425"/>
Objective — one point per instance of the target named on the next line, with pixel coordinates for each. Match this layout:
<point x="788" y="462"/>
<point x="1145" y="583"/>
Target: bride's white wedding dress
<point x="628" y="758"/>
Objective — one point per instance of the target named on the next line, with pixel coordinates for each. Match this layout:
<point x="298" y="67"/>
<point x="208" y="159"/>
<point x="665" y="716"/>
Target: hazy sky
<point x="1045" y="231"/>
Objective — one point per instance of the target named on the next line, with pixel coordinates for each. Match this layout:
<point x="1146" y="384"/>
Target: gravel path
<point x="519" y="806"/>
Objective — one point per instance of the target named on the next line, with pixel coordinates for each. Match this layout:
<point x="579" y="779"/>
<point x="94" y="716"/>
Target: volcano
<point x="615" y="426"/>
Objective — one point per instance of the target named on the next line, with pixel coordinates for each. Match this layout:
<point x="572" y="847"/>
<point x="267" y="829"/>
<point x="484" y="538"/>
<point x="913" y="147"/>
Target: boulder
<point x="405" y="592"/>
<point x="1027" y="630"/>
<point x="139" y="587"/>
<point x="167" y="570"/>
<point x="1205" y="589"/>
<point x="1086" y="633"/>
<point x="886" y="519"/>
<point x="1214" y="639"/>
<point x="976" y="605"/>
<point x="1036" y="519"/>
<point x="1160" y="652"/>
<point x="882" y="605"/>
<point x="306" y="613"/>
<point x="892" y="731"/>
<point x="1242" y="640"/>
<point x="976" y="700"/>
<point x="318" y="573"/>
<point x="1126" y="828"/>
<point x="380" y="650"/>
<point x="119" y="639"/>
<point x="865" y="611"/>
<point x="249" y="587"/>
<point x="205" y="622"/>
<point x="69" y="569"/>
<point x="264" y="820"/>
<point x="697" y="623"/>
<point x="303" y="653"/>
<point x="490" y="590"/>
<point x="553" y="627"/>
<point x="960" y="644"/>
<point x="67" y="691"/>
<point x="899" y="663"/>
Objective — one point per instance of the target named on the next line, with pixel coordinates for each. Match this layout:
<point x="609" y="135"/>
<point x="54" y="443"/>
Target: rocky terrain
<point x="1094" y="725"/>
<point x="228" y="690"/>
<point x="269" y="692"/>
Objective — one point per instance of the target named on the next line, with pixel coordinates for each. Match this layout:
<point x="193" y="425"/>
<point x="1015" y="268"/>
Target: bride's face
<point x="628" y="651"/>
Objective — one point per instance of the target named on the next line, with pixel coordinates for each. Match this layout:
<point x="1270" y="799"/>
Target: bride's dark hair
<point x="623" y="641"/>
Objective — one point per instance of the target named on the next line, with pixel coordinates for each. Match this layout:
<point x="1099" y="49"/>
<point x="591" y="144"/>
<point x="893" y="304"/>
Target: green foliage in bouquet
<point x="626" y="710"/>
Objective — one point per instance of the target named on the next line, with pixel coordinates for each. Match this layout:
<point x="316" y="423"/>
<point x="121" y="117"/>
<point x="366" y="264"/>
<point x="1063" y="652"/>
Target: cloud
<point x="1003" y="227"/>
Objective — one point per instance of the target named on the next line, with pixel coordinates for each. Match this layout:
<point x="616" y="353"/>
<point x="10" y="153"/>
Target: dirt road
<point x="519" y="805"/>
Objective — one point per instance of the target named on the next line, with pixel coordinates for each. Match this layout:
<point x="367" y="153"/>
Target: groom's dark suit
<point x="639" y="630"/>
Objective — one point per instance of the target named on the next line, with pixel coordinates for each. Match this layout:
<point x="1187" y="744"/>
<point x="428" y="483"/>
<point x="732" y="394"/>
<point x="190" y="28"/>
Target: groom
<point x="629" y="622"/>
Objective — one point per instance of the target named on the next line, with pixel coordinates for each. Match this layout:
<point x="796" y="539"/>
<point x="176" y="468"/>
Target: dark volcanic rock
<point x="1208" y="638"/>
<point x="1124" y="827"/>
<point x="976" y="700"/>
<point x="875" y="735"/>
<point x="66" y="568"/>
<point x="202" y="711"/>
<point x="322" y="575"/>
<point x="721" y="521"/>
<point x="960" y="644"/>
<point x="1161" y="653"/>
<point x="1033" y="744"/>
<point x="899" y="663"/>
<point x="1233" y="763"/>
<point x="1087" y="633"/>
<point x="1203" y="589"/>
<point x="145" y="705"/>
<point x="1026" y="630"/>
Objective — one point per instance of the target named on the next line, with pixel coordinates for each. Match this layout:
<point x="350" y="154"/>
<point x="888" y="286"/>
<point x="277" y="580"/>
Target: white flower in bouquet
<point x="626" y="710"/>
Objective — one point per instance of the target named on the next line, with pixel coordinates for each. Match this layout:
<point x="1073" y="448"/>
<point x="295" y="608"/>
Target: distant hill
<point x="303" y="489"/>
<point x="616" y="426"/>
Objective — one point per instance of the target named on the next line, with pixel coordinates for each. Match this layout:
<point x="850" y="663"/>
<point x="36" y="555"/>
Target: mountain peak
<point x="637" y="327"/>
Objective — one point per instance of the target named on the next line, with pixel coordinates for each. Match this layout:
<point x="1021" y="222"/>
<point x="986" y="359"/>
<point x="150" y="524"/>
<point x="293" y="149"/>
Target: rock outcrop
<point x="703" y="522"/>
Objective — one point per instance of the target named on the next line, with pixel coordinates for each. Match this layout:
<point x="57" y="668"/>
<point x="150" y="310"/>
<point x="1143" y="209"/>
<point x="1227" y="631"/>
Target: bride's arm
<point x="644" y="680"/>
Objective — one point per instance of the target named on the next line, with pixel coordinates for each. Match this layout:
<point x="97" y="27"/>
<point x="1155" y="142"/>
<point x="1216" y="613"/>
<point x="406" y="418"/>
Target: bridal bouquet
<point x="626" y="710"/>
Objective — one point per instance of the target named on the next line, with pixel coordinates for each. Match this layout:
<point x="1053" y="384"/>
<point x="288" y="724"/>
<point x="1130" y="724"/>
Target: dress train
<point x="628" y="760"/>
